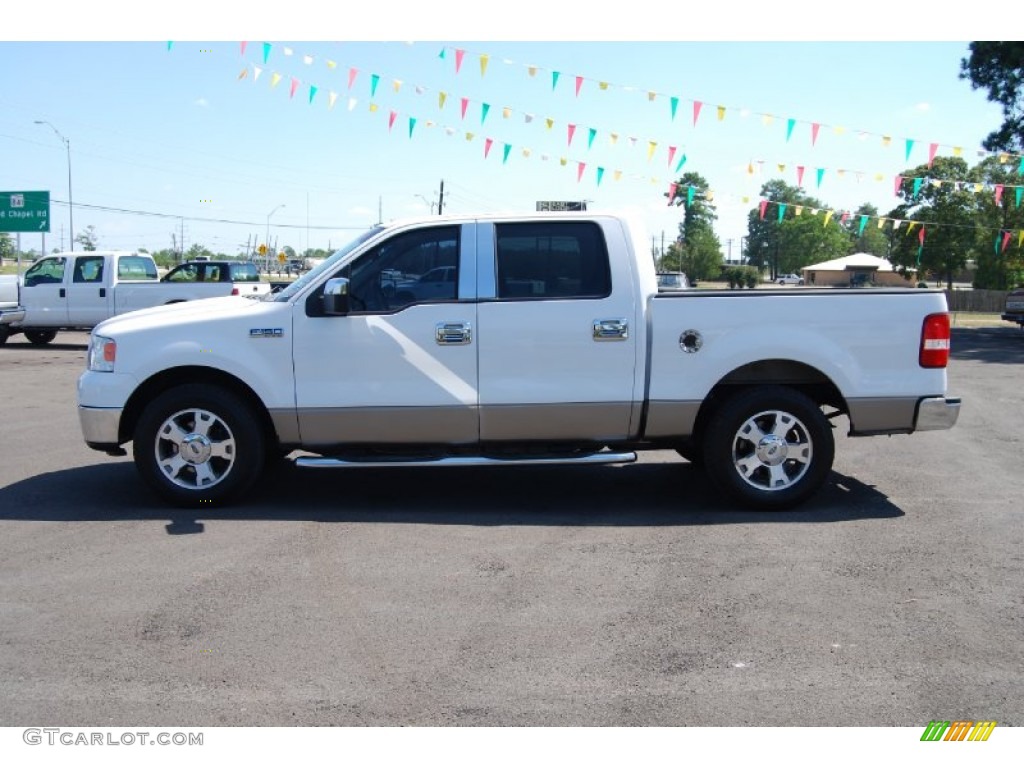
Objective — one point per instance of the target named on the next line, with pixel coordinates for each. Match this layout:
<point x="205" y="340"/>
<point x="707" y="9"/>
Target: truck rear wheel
<point x="198" y="445"/>
<point x="769" y="447"/>
<point x="40" y="338"/>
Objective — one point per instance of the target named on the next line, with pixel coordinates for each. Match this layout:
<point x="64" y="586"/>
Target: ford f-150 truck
<point x="80" y="289"/>
<point x="551" y="344"/>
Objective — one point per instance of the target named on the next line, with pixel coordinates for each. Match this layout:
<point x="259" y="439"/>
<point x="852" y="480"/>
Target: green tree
<point x="946" y="213"/>
<point x="999" y="267"/>
<point x="999" y="68"/>
<point x="87" y="238"/>
<point x="165" y="258"/>
<point x="197" y="250"/>
<point x="789" y="242"/>
<point x="870" y="239"/>
<point x="697" y="252"/>
<point x="6" y="247"/>
<point x="699" y="212"/>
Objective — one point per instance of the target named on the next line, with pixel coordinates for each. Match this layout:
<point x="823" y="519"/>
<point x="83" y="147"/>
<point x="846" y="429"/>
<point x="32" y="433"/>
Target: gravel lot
<point x="544" y="596"/>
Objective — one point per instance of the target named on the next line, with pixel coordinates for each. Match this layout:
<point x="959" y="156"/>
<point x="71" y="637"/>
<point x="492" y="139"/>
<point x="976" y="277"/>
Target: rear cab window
<point x="136" y="268"/>
<point x="244" y="273"/>
<point x="552" y="260"/>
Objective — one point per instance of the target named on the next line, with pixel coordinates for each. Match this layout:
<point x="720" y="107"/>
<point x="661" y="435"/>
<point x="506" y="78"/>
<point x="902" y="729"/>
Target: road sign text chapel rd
<point x="24" y="211"/>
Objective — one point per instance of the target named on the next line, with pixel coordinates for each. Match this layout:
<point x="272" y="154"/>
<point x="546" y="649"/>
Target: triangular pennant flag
<point x="412" y="124"/>
<point x="781" y="167"/>
<point x="910" y="226"/>
<point x="995" y="245"/>
<point x="591" y="133"/>
<point x="672" y="192"/>
<point x="469" y="135"/>
<point x="896" y="187"/>
<point x="396" y="85"/>
<point x="800" y="175"/>
<point x="917" y="186"/>
<point x="1019" y="191"/>
<point x="814" y="132"/>
<point x="910" y="146"/>
<point x="673" y="103"/>
<point x="651" y="95"/>
<point x="527" y="118"/>
<point x="352" y="103"/>
<point x="442" y="97"/>
<point x="671" y="154"/>
<point x="999" y="194"/>
<point x="549" y="122"/>
<point x="484" y="109"/>
<point x="682" y="162"/>
<point x="600" y="175"/>
<point x="580" y="167"/>
<point x="886" y="141"/>
<point x="863" y="223"/>
<point x="932" y="149"/>
<point x="828" y="216"/>
<point x="332" y="64"/>
<point x="506" y="112"/>
<point x="762" y="207"/>
<point x="651" y="146"/>
<point x="244" y="43"/>
<point x="617" y="175"/>
<point x="821" y="175"/>
<point x="484" y="58"/>
<point x="880" y="222"/>
<point x="572" y="132"/>
<point x="782" y="211"/>
<point x="1006" y="239"/>
<point x="844" y="217"/>
<point x="352" y="77"/>
<point x="1020" y="238"/>
<point x="532" y="71"/>
<point x="266" y="52"/>
<point x="504" y="156"/>
<point x="243" y="74"/>
<point x="441" y="54"/>
<point x="721" y="113"/>
<point x="373" y="108"/>
<point x="1020" y="168"/>
<point x="696" y="110"/>
<point x="798" y="211"/>
<point x="331" y="98"/>
<point x="256" y="72"/>
<point x="288" y="51"/>
<point x="307" y="60"/>
<point x="374" y="82"/>
<point x="488" y="143"/>
<point x="274" y="80"/>
<point x="465" y="103"/>
<point x="790" y="124"/>
<point x="312" y="93"/>
<point x="554" y="79"/>
<point x="169" y="44"/>
<point x="689" y="196"/>
<point x="459" y="53"/>
<point x="613" y="137"/>
<point x="579" y="84"/>
<point x="392" y="116"/>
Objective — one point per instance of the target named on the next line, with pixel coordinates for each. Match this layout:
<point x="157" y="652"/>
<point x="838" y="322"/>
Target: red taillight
<point x="935" y="341"/>
<point x="234" y="292"/>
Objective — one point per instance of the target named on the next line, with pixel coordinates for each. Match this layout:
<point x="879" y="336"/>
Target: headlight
<point x="102" y="353"/>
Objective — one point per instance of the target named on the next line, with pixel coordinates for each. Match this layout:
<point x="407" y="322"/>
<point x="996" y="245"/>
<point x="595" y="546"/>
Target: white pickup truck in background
<point x="78" y="290"/>
<point x="551" y="343"/>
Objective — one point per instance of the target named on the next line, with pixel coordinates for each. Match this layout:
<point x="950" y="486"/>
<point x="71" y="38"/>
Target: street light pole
<point x="71" y="204"/>
<point x="266" y="242"/>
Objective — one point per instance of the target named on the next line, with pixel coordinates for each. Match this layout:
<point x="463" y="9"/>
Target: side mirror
<point x="336" y="296"/>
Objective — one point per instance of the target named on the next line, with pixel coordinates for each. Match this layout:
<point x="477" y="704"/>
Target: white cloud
<point x="202" y="103"/>
<point x="924" y="106"/>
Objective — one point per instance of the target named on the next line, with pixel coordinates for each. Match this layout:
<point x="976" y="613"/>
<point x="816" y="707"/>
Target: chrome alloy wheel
<point x="772" y="450"/>
<point x="195" y="449"/>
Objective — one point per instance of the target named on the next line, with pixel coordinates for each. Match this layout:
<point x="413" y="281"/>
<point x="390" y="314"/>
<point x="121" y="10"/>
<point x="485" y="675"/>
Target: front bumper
<point x="936" y="413"/>
<point x="1017" y="318"/>
<point x="12" y="316"/>
<point x="100" y="427"/>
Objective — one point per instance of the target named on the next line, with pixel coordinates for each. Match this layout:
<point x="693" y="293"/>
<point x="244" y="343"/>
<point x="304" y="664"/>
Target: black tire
<point x="692" y="451"/>
<point x="768" y="448"/>
<point x="4" y="335"/>
<point x="40" y="338"/>
<point x="224" y="447"/>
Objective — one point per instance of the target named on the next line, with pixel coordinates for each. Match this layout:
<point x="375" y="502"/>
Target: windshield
<point x="327" y="265"/>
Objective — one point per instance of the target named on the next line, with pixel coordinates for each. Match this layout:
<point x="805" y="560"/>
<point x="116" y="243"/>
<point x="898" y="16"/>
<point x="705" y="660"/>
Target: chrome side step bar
<point x="330" y="462"/>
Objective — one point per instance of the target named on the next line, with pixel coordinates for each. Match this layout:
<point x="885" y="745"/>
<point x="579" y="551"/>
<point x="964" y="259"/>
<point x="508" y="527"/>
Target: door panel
<point x="43" y="293"/>
<point x="88" y="297"/>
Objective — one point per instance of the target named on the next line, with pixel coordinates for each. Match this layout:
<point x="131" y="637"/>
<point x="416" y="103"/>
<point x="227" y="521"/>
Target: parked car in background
<point x="789" y="280"/>
<point x="1014" y="310"/>
<point x="243" y="276"/>
<point x="672" y="281"/>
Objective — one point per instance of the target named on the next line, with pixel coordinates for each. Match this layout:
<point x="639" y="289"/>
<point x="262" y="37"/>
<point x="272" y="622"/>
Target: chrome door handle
<point x="449" y="334"/>
<point x="613" y="329"/>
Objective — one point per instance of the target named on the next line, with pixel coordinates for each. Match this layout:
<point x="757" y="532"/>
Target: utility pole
<point x="440" y="199"/>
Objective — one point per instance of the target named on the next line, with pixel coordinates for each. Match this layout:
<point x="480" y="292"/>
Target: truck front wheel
<point x="769" y="447"/>
<point x="198" y="445"/>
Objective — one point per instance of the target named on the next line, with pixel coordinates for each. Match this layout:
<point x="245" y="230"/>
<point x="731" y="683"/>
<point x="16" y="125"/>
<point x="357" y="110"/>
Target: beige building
<point x="855" y="270"/>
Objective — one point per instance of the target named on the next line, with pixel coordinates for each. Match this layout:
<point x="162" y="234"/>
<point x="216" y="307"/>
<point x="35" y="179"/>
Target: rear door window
<point x="552" y="260"/>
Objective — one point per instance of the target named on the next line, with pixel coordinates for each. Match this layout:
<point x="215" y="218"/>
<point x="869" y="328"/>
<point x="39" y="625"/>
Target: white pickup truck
<point x="551" y="343"/>
<point x="80" y="289"/>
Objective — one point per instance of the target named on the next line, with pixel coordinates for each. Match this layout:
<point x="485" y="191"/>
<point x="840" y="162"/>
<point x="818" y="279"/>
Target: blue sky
<point x="176" y="130"/>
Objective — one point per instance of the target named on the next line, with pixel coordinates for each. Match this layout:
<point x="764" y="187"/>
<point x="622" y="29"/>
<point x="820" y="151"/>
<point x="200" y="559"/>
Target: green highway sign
<point x="24" y="211"/>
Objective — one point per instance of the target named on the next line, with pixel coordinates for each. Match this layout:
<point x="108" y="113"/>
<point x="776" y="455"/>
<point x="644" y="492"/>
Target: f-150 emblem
<point x="266" y="333"/>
